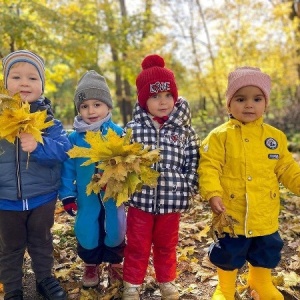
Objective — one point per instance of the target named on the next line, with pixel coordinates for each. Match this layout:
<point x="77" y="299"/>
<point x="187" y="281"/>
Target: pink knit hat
<point x="245" y="76"/>
<point x="154" y="78"/>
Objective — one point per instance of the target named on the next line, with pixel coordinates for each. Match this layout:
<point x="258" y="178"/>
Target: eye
<point x="169" y="95"/>
<point x="155" y="96"/>
<point x="239" y="99"/>
<point x="83" y="106"/>
<point x="258" y="99"/>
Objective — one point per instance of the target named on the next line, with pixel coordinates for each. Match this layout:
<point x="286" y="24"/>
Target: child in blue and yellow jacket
<point x="241" y="164"/>
<point x="99" y="225"/>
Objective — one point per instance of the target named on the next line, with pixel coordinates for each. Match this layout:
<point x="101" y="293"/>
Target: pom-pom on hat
<point x="92" y="86"/>
<point x="245" y="76"/>
<point x="23" y="56"/>
<point x="154" y="78"/>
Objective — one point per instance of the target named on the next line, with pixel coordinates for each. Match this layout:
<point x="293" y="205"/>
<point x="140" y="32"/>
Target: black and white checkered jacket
<point x="179" y="152"/>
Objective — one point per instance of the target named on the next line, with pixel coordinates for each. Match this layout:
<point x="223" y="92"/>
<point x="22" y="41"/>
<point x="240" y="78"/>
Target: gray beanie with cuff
<point x="92" y="86"/>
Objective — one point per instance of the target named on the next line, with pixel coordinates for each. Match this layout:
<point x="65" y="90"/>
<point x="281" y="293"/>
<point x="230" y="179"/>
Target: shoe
<point x="14" y="295"/>
<point x="131" y="291"/>
<point x="90" y="276"/>
<point x="168" y="291"/>
<point x="50" y="289"/>
<point x="115" y="273"/>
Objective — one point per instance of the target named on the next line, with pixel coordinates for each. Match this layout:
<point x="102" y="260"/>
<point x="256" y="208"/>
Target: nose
<point x="91" y="109"/>
<point x="249" y="104"/>
<point x="163" y="99"/>
<point x="24" y="82"/>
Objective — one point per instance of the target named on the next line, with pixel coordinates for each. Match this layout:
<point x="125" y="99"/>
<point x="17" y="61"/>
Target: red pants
<point x="144" y="230"/>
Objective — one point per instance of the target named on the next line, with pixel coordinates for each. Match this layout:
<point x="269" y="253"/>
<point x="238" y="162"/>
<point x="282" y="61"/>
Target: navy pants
<point x="102" y="253"/>
<point x="232" y="253"/>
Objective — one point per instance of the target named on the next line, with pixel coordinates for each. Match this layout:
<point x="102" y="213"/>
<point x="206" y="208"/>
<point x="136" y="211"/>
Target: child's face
<point x="24" y="78"/>
<point x="161" y="104"/>
<point x="247" y="104"/>
<point x="93" y="110"/>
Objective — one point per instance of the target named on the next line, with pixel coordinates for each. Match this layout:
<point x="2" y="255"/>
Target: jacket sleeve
<point x="287" y="169"/>
<point x="68" y="187"/>
<point x="192" y="162"/>
<point x="55" y="145"/>
<point x="212" y="159"/>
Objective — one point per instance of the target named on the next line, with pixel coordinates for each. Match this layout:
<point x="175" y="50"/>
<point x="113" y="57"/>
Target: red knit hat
<point x="245" y="76"/>
<point x="154" y="78"/>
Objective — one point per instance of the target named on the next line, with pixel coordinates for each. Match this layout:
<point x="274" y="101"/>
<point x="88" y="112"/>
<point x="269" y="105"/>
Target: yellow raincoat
<point x="243" y="164"/>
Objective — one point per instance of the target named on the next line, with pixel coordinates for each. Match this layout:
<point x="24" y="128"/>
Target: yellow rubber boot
<point x="226" y="287"/>
<point x="260" y="280"/>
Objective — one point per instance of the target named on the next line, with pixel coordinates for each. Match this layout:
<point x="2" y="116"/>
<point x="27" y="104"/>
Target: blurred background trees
<point x="201" y="41"/>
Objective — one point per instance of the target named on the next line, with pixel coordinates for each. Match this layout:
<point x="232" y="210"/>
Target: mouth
<point x="93" y="119"/>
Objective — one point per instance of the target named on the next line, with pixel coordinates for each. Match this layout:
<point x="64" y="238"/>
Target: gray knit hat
<point x="92" y="86"/>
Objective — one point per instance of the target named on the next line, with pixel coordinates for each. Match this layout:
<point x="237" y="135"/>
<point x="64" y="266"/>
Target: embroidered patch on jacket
<point x="175" y="139"/>
<point x="159" y="87"/>
<point x="271" y="143"/>
<point x="273" y="156"/>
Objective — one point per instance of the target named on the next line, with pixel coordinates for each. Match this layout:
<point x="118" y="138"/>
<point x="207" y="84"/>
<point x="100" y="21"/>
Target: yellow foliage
<point x="6" y="101"/>
<point x="218" y="223"/>
<point x="15" y="117"/>
<point x="126" y="166"/>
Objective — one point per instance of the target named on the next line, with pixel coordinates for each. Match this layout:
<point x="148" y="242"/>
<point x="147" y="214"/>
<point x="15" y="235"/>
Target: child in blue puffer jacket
<point x="29" y="184"/>
<point x="99" y="226"/>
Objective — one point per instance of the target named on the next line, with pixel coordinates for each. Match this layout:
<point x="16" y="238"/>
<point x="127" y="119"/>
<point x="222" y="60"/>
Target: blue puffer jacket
<point x="26" y="175"/>
<point x="75" y="178"/>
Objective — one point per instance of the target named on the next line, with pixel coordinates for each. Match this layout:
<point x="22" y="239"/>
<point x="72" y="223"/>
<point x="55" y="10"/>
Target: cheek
<point x="12" y="89"/>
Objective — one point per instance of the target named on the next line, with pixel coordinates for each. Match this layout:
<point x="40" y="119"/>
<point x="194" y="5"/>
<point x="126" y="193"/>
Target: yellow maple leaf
<point x="126" y="166"/>
<point x="16" y="118"/>
<point x="6" y="100"/>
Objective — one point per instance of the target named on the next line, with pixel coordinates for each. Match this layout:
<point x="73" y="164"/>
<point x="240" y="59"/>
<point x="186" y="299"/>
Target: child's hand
<point x="217" y="205"/>
<point x="28" y="143"/>
<point x="70" y="205"/>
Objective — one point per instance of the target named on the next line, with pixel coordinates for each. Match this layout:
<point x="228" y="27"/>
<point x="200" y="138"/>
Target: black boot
<point x="50" y="289"/>
<point x="14" y="295"/>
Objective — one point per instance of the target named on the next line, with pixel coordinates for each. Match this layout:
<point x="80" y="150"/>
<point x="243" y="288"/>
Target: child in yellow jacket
<point x="241" y="164"/>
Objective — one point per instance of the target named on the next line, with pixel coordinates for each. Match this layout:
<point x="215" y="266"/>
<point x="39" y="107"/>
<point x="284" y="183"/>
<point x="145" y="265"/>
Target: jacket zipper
<point x="18" y="175"/>
<point x="246" y="217"/>
<point x="156" y="168"/>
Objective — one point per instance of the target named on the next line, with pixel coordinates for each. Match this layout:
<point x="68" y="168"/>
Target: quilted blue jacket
<point x="25" y="176"/>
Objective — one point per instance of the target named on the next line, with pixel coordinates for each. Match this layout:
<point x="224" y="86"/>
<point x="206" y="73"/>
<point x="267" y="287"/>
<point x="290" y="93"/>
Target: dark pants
<point x="26" y="229"/>
<point x="232" y="253"/>
<point x="102" y="253"/>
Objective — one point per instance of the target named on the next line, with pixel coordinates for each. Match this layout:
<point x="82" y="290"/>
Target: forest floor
<point x="196" y="275"/>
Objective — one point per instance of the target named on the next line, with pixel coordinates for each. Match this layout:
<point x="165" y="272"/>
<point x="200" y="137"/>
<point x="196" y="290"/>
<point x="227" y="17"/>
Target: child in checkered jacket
<point x="161" y="120"/>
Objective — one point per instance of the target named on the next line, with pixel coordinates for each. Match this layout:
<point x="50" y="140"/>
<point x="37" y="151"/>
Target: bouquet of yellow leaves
<point x="126" y="166"/>
<point x="15" y="117"/>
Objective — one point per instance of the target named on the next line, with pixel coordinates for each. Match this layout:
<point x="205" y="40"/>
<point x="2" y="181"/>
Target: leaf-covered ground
<point x="196" y="276"/>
